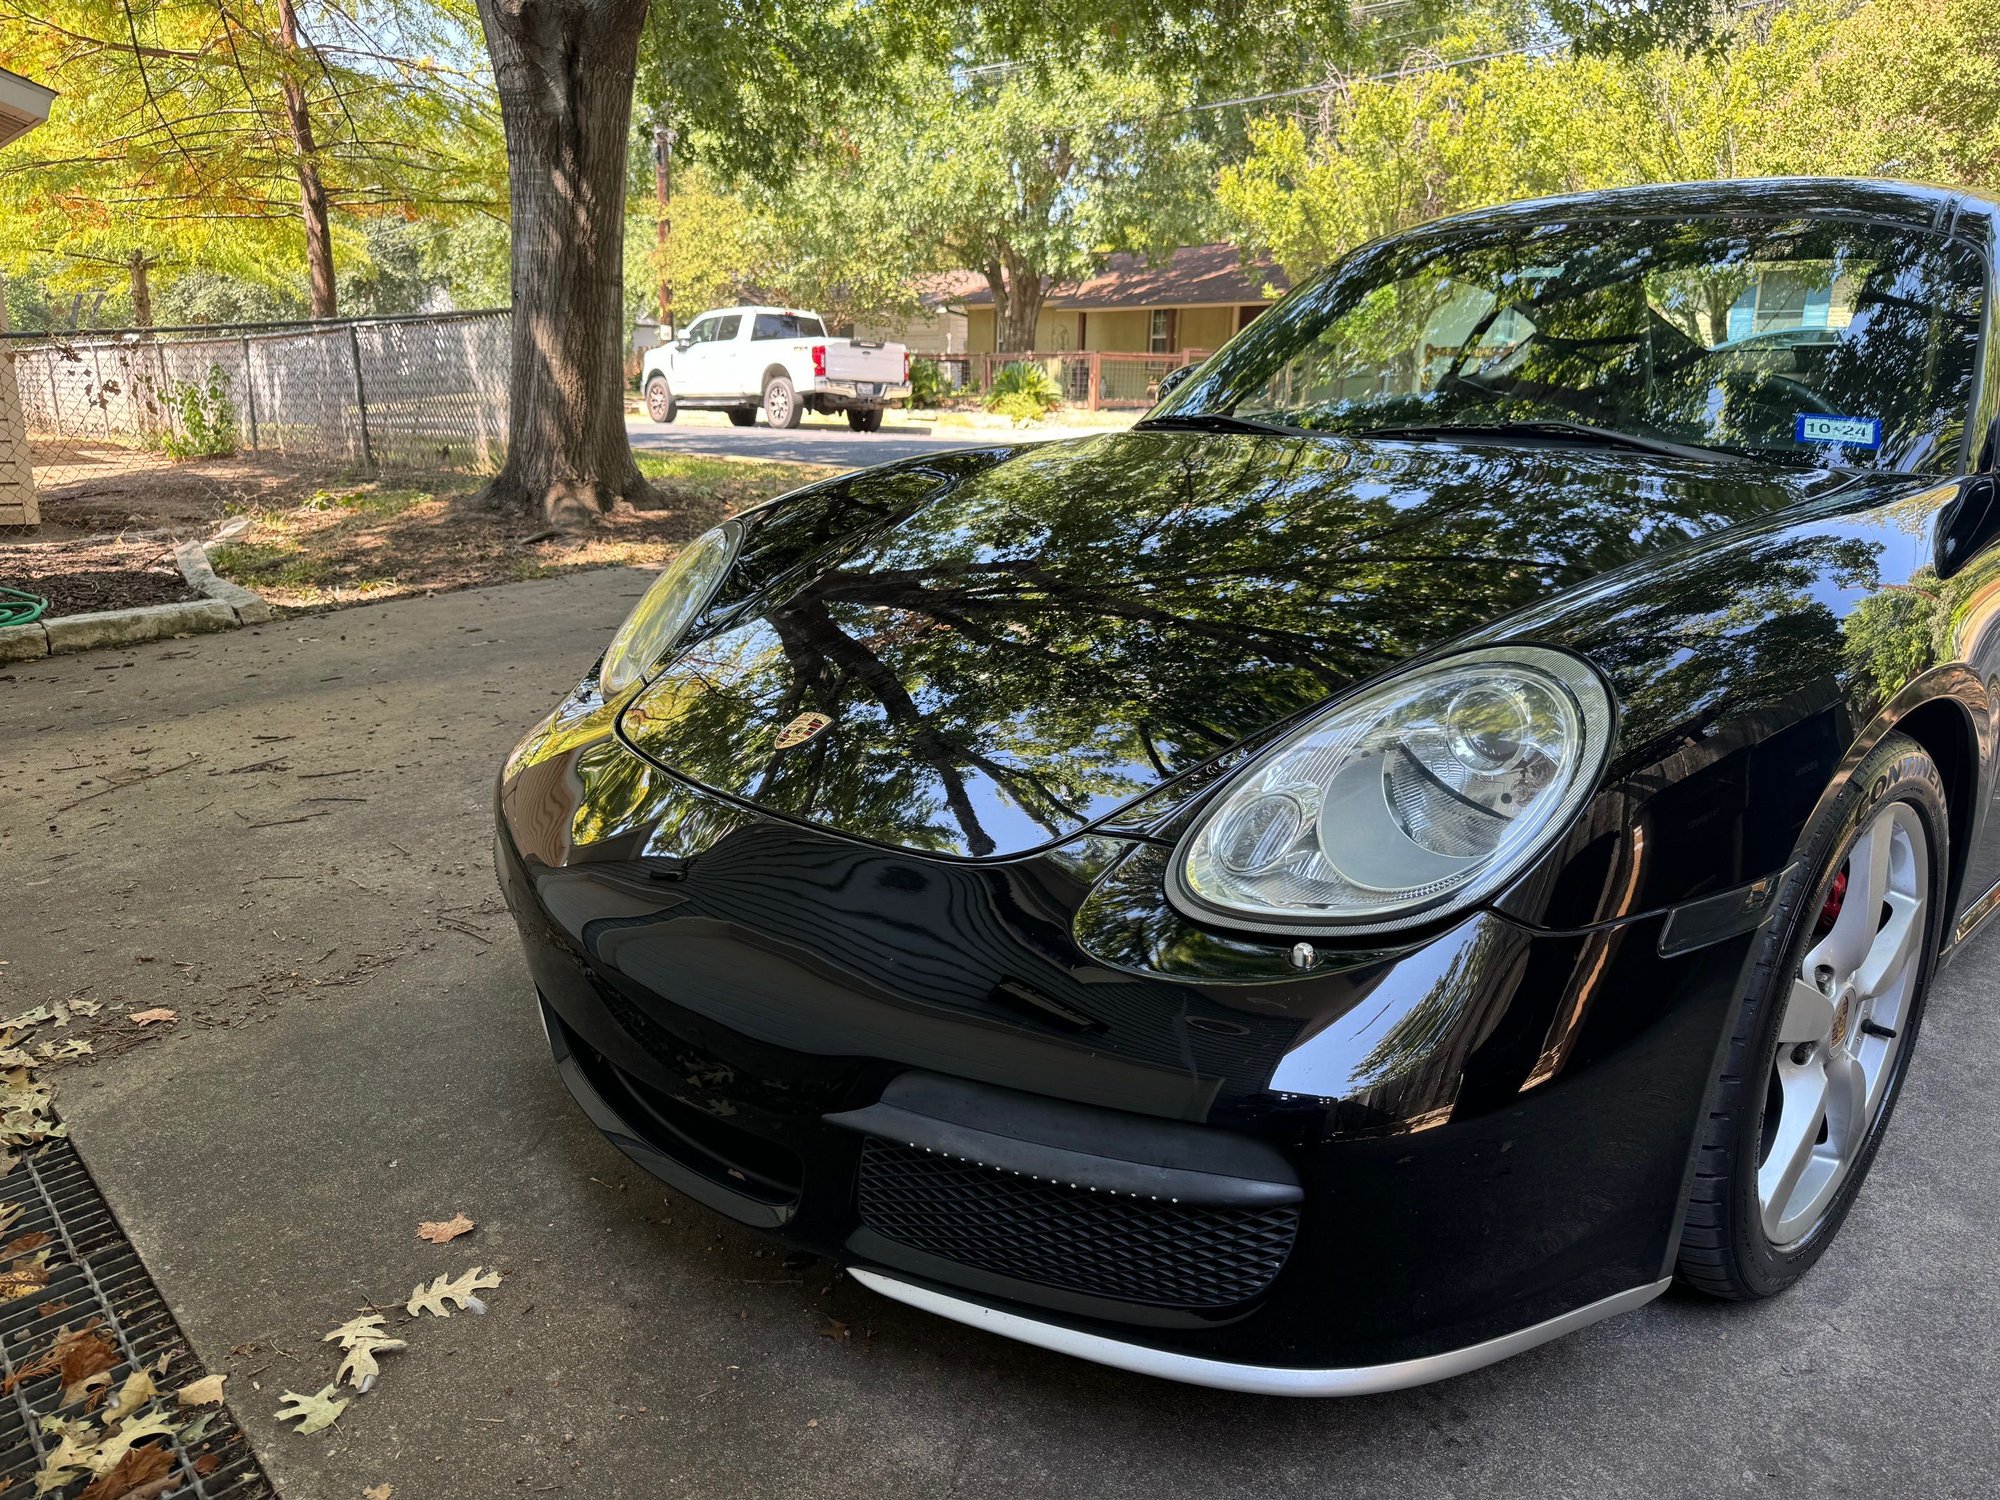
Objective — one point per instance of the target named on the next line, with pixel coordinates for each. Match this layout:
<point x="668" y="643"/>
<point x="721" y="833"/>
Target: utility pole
<point x="663" y="157"/>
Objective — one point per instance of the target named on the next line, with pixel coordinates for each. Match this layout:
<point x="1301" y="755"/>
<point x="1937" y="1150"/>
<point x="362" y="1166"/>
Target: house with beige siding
<point x="24" y="104"/>
<point x="1194" y="299"/>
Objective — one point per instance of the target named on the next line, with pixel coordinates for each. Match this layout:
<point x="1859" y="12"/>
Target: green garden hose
<point x="17" y="608"/>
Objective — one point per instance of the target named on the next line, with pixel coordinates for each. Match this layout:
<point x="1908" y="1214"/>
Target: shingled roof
<point x="1193" y="276"/>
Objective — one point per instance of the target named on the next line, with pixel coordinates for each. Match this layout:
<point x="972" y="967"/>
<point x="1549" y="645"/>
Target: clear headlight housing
<point x="662" y="616"/>
<point x="1415" y="798"/>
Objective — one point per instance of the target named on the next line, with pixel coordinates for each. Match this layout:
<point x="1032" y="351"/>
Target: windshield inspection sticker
<point x="1854" y="432"/>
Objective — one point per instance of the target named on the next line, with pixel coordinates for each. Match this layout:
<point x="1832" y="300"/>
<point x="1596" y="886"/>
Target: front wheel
<point x="660" y="404"/>
<point x="781" y="403"/>
<point x="869" y="420"/>
<point x="1825" y="1033"/>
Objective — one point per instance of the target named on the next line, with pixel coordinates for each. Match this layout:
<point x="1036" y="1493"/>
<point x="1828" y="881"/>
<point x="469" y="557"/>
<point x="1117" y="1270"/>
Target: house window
<point x="1160" y="336"/>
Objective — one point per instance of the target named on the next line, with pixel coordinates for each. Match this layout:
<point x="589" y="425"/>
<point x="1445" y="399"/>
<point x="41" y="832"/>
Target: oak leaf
<point x="148" y="1017"/>
<point x="314" y="1413"/>
<point x="206" y="1391"/>
<point x="444" y="1231"/>
<point x="137" y="1390"/>
<point x="443" y="1289"/>
<point x="378" y="1492"/>
<point x="135" y="1473"/>
<point x="366" y="1329"/>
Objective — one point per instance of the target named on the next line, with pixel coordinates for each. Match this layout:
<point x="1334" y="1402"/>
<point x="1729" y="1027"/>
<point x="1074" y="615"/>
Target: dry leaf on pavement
<point x="313" y="1413"/>
<point x="206" y="1391"/>
<point x="148" y="1017"/>
<point x="444" y="1231"/>
<point x="443" y="1289"/>
<point x="378" y="1492"/>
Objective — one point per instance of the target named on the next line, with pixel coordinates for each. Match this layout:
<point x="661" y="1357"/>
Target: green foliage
<point x="930" y="387"/>
<point x="1904" y="88"/>
<point x="1023" y="391"/>
<point x="203" y="418"/>
<point x="170" y="138"/>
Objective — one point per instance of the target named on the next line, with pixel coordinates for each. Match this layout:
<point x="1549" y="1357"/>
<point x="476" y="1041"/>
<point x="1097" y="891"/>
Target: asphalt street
<point x="305" y="878"/>
<point x="817" y="440"/>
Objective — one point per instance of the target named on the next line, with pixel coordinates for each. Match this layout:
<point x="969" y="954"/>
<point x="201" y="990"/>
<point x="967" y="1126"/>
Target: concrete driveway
<point x="307" y="883"/>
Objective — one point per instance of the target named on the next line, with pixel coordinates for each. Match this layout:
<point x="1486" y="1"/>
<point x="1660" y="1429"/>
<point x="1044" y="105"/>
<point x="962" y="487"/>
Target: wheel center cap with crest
<point x="801" y="729"/>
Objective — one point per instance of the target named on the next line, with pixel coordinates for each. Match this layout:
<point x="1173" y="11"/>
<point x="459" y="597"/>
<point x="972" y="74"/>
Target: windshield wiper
<point x="1221" y="421"/>
<point x="1581" y="432"/>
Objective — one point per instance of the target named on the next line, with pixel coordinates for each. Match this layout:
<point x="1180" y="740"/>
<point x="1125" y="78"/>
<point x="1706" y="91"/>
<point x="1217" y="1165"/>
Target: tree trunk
<point x="305" y="164"/>
<point x="1018" y="294"/>
<point x="142" y="291"/>
<point x="564" y="70"/>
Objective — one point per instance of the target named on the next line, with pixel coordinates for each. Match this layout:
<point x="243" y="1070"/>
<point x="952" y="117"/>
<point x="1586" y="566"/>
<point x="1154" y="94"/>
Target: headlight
<point x="659" y="619"/>
<point x="1413" y="799"/>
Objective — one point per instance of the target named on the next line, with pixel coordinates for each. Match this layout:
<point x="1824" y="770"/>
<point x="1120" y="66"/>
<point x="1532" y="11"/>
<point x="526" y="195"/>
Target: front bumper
<point x="1488" y="1135"/>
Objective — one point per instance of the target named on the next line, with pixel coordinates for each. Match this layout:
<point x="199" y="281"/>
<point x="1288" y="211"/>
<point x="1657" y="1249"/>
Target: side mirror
<point x="1173" y="380"/>
<point x="682" y="343"/>
<point x="1969" y="523"/>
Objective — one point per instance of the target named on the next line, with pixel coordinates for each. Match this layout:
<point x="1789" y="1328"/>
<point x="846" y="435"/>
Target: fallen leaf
<point x="138" y="1467"/>
<point x="21" y="1244"/>
<point x="835" y="1329"/>
<point x="207" y="1464"/>
<point x="363" y="1330"/>
<point x="314" y="1413"/>
<point x="9" y="1212"/>
<point x="148" y="1017"/>
<point x="82" y="1361"/>
<point x="443" y="1289"/>
<point x="444" y="1231"/>
<point x="359" y="1368"/>
<point x="378" y="1492"/>
<point x="206" y="1391"/>
<point x="76" y="1046"/>
<point x="28" y="1018"/>
<point x="137" y="1390"/>
<point x="24" y="1277"/>
<point x="85" y="1007"/>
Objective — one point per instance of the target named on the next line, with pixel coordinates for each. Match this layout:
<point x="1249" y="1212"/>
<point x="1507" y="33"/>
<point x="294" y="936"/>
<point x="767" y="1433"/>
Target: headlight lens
<point x="1414" y="798"/>
<point x="659" y="619"/>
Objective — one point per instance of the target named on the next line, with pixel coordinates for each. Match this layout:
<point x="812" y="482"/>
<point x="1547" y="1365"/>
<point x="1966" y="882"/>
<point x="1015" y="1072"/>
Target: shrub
<point x="1024" y="391"/>
<point x="204" y="418"/>
<point x="930" y="387"/>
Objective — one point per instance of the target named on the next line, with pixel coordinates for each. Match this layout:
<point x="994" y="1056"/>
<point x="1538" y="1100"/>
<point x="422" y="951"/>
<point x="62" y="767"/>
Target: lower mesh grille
<point x="1101" y="1243"/>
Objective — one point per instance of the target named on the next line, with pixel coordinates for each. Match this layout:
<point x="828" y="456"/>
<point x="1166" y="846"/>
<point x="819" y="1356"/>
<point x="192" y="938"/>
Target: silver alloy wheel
<point x="777" y="404"/>
<point x="1844" y="1023"/>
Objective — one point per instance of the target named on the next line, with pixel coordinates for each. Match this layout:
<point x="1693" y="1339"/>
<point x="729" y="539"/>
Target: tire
<point x="782" y="407"/>
<point x="660" y="403"/>
<point x="742" y="416"/>
<point x="1753" y="1228"/>
<point x="868" y="420"/>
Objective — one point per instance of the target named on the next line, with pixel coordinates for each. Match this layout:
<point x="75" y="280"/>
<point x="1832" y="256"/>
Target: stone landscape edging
<point x="224" y="606"/>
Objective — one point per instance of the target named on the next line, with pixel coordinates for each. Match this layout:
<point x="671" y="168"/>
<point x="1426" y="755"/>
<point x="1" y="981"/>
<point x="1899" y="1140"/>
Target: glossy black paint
<point x="1040" y="663"/>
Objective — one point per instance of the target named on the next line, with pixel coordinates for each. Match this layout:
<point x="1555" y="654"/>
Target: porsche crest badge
<point x="801" y="729"/>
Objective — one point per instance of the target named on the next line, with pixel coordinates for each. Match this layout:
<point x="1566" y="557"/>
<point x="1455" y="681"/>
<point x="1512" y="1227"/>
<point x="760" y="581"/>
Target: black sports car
<point x="1440" y="830"/>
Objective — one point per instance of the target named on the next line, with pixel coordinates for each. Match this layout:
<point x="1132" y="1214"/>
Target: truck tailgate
<point x="882" y="363"/>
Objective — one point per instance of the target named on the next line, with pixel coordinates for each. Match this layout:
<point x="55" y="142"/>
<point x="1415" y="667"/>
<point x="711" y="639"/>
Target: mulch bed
<point x="80" y="577"/>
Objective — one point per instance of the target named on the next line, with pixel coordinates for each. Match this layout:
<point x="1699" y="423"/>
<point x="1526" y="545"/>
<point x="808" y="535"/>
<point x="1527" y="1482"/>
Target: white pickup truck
<point x="737" y="359"/>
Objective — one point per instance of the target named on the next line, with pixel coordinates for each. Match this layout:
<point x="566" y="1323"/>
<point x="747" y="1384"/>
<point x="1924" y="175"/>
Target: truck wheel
<point x="782" y="407"/>
<point x="868" y="420"/>
<point x="742" y="416"/>
<point x="660" y="404"/>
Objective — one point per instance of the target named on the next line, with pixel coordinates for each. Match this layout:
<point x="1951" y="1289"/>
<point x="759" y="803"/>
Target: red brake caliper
<point x="1830" y="913"/>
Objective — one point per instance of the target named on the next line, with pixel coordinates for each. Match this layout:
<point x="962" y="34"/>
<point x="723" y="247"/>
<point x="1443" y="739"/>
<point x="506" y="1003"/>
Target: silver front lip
<point x="1262" y="1380"/>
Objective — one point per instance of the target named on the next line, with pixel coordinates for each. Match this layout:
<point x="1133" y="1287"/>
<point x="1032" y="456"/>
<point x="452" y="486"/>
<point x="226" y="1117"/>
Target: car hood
<point x="1026" y="647"/>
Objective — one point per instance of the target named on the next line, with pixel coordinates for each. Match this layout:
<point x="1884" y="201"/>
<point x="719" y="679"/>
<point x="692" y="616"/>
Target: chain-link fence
<point x="254" y="407"/>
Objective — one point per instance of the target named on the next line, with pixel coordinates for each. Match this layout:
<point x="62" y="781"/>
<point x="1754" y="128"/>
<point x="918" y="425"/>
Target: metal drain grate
<point x="94" y="1270"/>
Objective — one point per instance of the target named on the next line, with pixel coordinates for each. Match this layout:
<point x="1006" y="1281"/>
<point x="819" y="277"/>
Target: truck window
<point x="726" y="328"/>
<point x="702" y="331"/>
<point x="786" y="326"/>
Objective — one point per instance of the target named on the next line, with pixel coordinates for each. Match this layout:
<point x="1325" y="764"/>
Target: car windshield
<point x="1802" y="341"/>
